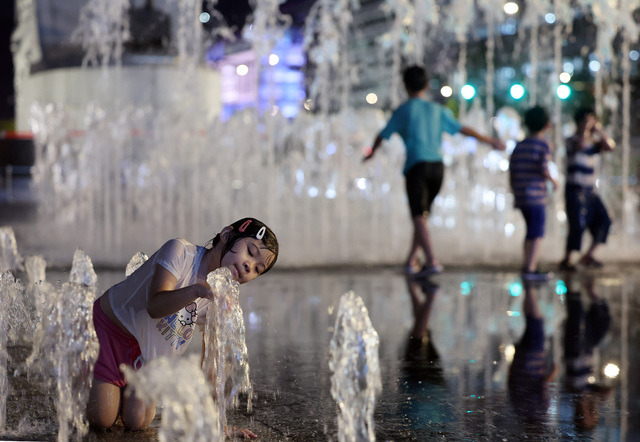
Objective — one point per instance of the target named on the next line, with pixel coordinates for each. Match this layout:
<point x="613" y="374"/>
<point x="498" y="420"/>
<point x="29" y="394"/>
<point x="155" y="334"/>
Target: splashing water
<point x="136" y="261"/>
<point x="188" y="410"/>
<point x="36" y="291"/>
<point x="12" y="311"/>
<point x="103" y="165"/>
<point x="36" y="269"/>
<point x="356" y="370"/>
<point x="82" y="272"/>
<point x="226" y="363"/>
<point x="66" y="346"/>
<point x="9" y="257"/>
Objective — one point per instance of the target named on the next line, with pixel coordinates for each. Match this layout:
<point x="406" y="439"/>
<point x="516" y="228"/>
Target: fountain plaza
<point x="133" y="148"/>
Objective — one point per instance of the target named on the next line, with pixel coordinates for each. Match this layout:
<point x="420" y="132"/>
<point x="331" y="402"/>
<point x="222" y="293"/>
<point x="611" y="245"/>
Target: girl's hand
<point x="241" y="432"/>
<point x="204" y="290"/>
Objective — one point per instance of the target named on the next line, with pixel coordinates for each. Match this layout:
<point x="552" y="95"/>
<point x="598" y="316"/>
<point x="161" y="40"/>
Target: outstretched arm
<point x="493" y="142"/>
<point x="376" y="144"/>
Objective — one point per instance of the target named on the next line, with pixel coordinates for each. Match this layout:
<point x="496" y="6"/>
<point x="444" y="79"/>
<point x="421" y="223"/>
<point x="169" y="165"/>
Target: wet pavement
<point x="466" y="355"/>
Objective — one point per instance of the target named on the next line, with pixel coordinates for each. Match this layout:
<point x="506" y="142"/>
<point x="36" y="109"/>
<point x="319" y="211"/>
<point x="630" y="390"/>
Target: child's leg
<point x="532" y="253"/>
<point x="423" y="182"/>
<point x="136" y="415"/>
<point x="103" y="405"/>
<point x="412" y="257"/>
<point x="534" y="217"/>
<point x="422" y="232"/>
<point x="599" y="223"/>
<point x="576" y="211"/>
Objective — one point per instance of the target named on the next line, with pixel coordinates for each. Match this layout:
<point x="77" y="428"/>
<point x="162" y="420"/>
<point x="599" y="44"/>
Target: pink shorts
<point x="116" y="347"/>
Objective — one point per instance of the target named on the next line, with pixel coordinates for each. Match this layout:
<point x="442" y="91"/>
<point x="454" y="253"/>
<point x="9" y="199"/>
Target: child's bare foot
<point x="241" y="432"/>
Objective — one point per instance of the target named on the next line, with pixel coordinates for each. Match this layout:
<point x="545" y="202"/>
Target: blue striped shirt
<point x="581" y="164"/>
<point x="528" y="168"/>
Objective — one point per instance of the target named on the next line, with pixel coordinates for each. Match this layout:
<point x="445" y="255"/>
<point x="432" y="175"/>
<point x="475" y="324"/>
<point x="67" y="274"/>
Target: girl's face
<point x="247" y="259"/>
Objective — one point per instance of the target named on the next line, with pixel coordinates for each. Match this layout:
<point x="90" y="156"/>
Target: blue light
<point x="563" y="91"/>
<point x="515" y="289"/>
<point x="561" y="287"/>
<point x="465" y="288"/>
<point x="517" y="91"/>
<point x="468" y="92"/>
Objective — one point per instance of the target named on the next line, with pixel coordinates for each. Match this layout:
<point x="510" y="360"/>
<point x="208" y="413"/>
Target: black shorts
<point x="423" y="183"/>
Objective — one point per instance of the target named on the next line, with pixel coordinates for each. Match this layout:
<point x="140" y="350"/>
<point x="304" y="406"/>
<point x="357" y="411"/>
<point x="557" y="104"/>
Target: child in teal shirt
<point x="421" y="124"/>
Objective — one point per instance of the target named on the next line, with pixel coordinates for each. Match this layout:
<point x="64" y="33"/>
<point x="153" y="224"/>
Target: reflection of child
<point x="583" y="332"/>
<point x="420" y="349"/>
<point x="583" y="205"/>
<point x="152" y="313"/>
<point x="528" y="173"/>
<point x="421" y="124"/>
<point x="529" y="375"/>
<point x="422" y="373"/>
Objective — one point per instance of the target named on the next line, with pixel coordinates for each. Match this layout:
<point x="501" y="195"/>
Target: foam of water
<point x="136" y="261"/>
<point x="65" y="345"/>
<point x="10" y="259"/>
<point x="226" y="364"/>
<point x="188" y="412"/>
<point x="38" y="290"/>
<point x="82" y="272"/>
<point x="133" y="164"/>
<point x="12" y="311"/>
<point x="355" y="367"/>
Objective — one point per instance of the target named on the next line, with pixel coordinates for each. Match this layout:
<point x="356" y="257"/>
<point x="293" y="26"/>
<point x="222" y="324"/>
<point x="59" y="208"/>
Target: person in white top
<point x="153" y="312"/>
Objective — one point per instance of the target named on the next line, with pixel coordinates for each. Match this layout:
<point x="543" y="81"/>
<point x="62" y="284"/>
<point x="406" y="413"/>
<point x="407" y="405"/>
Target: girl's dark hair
<point x="250" y="228"/>
<point x="415" y="78"/>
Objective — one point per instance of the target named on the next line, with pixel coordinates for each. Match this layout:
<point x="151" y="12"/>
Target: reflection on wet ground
<point x="467" y="355"/>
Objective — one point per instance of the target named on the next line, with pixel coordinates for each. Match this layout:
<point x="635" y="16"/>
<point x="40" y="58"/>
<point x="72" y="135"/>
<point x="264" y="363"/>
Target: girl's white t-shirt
<point x="171" y="335"/>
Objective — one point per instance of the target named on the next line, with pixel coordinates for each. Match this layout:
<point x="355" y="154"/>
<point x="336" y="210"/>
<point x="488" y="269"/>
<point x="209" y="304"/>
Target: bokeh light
<point x="511" y="8"/>
<point x="517" y="91"/>
<point x="563" y="91"/>
<point x="446" y="91"/>
<point x="467" y="92"/>
<point x="242" y="70"/>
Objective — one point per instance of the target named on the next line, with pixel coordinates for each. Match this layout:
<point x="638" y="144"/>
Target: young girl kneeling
<point x="153" y="312"/>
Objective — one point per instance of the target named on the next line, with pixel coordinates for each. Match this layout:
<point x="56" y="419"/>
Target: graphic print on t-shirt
<point x="177" y="328"/>
<point x="188" y="314"/>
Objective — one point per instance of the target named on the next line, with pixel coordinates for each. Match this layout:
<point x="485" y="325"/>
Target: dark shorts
<point x="533" y="337"/>
<point x="534" y="217"/>
<point x="116" y="347"/>
<point x="423" y="182"/>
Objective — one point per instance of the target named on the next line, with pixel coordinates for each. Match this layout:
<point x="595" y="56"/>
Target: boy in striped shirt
<point x="584" y="207"/>
<point x="528" y="173"/>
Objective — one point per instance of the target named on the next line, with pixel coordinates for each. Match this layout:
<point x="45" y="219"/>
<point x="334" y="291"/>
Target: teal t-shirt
<point x="421" y="123"/>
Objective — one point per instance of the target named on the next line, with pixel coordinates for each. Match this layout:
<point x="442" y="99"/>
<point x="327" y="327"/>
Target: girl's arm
<point x="165" y="299"/>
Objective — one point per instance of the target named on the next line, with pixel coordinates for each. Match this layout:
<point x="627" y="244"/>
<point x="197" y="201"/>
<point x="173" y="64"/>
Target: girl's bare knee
<point x="103" y="405"/>
<point x="136" y="415"/>
<point x="100" y="422"/>
<point x="138" y="419"/>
